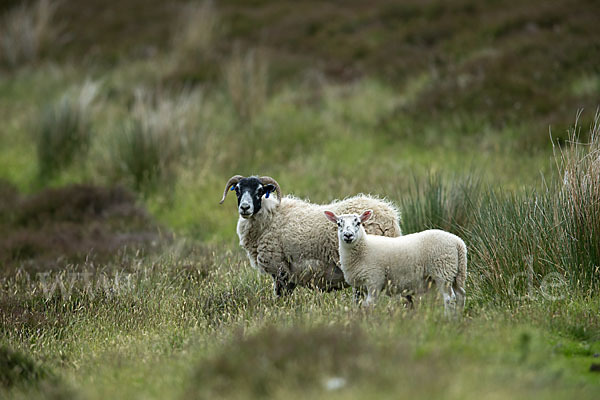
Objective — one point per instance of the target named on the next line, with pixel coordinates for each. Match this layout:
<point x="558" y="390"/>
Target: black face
<point x="249" y="193"/>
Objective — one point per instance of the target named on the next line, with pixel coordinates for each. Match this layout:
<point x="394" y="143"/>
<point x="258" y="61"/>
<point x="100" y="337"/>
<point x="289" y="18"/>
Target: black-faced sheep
<point x="289" y="239"/>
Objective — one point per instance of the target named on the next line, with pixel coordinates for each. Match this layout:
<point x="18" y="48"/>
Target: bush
<point x="63" y="131"/>
<point x="26" y="29"/>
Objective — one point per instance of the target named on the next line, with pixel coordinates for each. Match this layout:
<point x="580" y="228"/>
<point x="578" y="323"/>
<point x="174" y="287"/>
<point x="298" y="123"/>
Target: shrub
<point x="63" y="131"/>
<point x="247" y="77"/>
<point x="26" y="29"/>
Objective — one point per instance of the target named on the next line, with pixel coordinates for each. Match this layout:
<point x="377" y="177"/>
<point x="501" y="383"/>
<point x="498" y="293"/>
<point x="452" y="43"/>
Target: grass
<point x="198" y="28"/>
<point x="196" y="324"/>
<point x="154" y="139"/>
<point x="195" y="54"/>
<point x="18" y="368"/>
<point x="26" y="32"/>
<point x="196" y="321"/>
<point x="246" y="76"/>
<point x="63" y="131"/>
<point x="444" y="110"/>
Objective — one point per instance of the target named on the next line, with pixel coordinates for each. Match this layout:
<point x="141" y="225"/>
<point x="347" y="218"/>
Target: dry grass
<point x="579" y="197"/>
<point x="194" y="44"/>
<point x="579" y="163"/>
<point x="247" y="78"/>
<point x="26" y="30"/>
<point x="55" y="227"/>
<point x="197" y="29"/>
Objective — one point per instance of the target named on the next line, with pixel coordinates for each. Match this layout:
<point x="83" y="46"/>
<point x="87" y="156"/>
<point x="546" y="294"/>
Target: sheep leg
<point x="357" y="295"/>
<point x="409" y="301"/>
<point x="270" y="259"/>
<point x="372" y="294"/>
<point x="449" y="296"/>
<point x="282" y="285"/>
<point x="460" y="297"/>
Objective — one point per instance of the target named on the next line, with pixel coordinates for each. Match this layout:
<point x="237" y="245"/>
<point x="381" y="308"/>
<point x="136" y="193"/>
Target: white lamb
<point x="402" y="264"/>
<point x="289" y="239"/>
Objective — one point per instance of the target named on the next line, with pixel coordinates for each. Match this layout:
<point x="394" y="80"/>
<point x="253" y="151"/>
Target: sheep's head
<point x="250" y="192"/>
<point x="349" y="225"/>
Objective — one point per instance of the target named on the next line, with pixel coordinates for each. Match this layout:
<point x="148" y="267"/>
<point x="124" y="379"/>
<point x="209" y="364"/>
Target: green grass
<point x="196" y="324"/>
<point x="63" y="131"/>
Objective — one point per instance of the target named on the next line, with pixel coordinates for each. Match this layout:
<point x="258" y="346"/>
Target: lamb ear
<point x="366" y="215"/>
<point x="331" y="216"/>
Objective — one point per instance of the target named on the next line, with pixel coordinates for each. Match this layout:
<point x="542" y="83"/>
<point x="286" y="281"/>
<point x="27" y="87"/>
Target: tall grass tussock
<point x="247" y="80"/>
<point x="63" y="130"/>
<point x="531" y="244"/>
<point x="156" y="137"/>
<point x="194" y="48"/>
<point x="25" y="31"/>
<point x="196" y="32"/>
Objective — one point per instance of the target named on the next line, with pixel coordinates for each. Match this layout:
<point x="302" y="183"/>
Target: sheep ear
<point x="268" y="189"/>
<point x="331" y="216"/>
<point x="366" y="215"/>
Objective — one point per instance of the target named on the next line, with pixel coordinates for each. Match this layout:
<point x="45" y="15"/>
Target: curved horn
<point x="265" y="180"/>
<point x="232" y="181"/>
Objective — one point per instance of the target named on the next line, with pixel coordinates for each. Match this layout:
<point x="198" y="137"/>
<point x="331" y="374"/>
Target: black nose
<point x="245" y="207"/>
<point x="348" y="236"/>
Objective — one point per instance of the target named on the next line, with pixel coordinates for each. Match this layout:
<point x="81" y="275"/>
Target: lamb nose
<point x="245" y="207"/>
<point x="347" y="236"/>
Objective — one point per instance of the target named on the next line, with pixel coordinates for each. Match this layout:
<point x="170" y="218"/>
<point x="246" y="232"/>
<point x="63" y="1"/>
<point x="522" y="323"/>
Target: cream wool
<point x="292" y="239"/>
<point x="406" y="263"/>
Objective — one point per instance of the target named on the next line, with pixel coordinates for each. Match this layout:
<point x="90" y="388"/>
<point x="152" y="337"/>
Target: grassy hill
<point x="466" y="114"/>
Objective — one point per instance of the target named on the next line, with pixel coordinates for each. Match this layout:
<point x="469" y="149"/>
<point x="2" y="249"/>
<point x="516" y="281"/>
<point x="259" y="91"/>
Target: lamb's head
<point x="350" y="228"/>
<point x="250" y="192"/>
